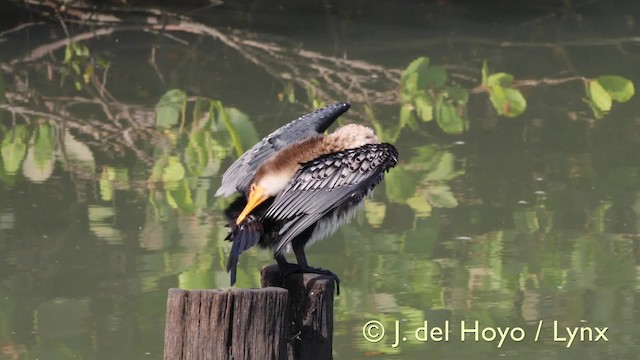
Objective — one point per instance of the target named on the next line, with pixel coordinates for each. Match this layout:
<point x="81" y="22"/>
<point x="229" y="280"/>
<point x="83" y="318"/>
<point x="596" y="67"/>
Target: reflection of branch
<point x="114" y="136"/>
<point x="342" y="79"/>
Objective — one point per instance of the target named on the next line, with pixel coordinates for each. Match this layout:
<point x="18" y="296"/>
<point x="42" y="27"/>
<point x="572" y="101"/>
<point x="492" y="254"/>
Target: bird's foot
<point x="289" y="269"/>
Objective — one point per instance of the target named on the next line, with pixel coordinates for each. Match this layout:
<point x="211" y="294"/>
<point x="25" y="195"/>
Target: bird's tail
<point x="243" y="236"/>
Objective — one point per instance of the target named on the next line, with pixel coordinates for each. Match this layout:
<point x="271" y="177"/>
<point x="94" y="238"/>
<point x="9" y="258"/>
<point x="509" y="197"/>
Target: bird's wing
<point x="240" y="174"/>
<point x="326" y="183"/>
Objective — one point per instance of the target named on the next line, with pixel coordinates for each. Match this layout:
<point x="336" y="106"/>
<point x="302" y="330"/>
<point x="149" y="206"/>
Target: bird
<point x="297" y="186"/>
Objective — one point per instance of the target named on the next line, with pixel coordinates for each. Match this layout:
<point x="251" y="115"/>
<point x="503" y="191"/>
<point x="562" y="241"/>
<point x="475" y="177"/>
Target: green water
<point x="528" y="225"/>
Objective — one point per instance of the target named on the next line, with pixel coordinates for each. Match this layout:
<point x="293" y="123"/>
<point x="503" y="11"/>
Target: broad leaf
<point x="619" y="88"/>
<point x="14" y="148"/>
<point x="450" y="120"/>
<point x="599" y="96"/>
<point x="424" y="106"/>
<point x="435" y="76"/>
<point x="170" y="107"/>
<point x="406" y="117"/>
<point x="502" y="79"/>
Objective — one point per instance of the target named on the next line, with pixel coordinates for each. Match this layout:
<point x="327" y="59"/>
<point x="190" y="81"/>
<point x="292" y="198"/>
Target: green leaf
<point x="68" y="54"/>
<point x="485" y="73"/>
<point x="618" y="88"/>
<point x="173" y="171"/>
<point x="515" y="100"/>
<point x="416" y="66"/>
<point x="424" y="106"/>
<point x="440" y="195"/>
<point x="458" y="94"/>
<point x="406" y="117"/>
<point x="435" y="76"/>
<point x="409" y="87"/>
<point x="413" y="78"/>
<point x="599" y="96"/>
<point x="450" y="120"/>
<point x="102" y="62"/>
<point x="169" y="108"/>
<point x="243" y="127"/>
<point x="502" y="79"/>
<point x="507" y="101"/>
<point x="81" y="50"/>
<point x="14" y="148"/>
<point x="599" y="114"/>
<point x="43" y="144"/>
<point x="180" y="197"/>
<point x="75" y="67"/>
<point x="400" y="185"/>
<point x="444" y="169"/>
<point x="420" y="205"/>
<point x="106" y="188"/>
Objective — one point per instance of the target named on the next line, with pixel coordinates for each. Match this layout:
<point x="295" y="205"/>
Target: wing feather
<point x="326" y="183"/>
<point x="240" y="174"/>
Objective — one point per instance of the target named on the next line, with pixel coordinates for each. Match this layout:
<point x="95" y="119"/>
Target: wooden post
<point x="238" y="324"/>
<point x="310" y="331"/>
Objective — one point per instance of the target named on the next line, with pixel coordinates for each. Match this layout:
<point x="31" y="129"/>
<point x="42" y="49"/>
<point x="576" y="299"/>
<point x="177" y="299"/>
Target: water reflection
<point x="106" y="187"/>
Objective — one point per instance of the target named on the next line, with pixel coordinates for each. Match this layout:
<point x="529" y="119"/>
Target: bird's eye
<point x="253" y="187"/>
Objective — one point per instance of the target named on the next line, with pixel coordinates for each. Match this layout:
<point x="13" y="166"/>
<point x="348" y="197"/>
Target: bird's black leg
<point x="286" y="268"/>
<point x="298" y="249"/>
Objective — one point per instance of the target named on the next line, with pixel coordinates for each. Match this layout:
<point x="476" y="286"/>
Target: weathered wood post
<point x="310" y="330"/>
<point x="238" y="324"/>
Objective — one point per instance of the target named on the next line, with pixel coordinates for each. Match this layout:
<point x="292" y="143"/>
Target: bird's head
<point x="265" y="186"/>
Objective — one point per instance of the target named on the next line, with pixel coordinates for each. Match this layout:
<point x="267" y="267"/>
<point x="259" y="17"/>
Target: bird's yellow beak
<point x="256" y="197"/>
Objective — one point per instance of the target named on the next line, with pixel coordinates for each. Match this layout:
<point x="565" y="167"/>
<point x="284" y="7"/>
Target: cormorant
<point x="297" y="186"/>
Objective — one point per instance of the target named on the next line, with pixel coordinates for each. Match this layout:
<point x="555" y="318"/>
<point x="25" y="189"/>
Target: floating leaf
<point x="170" y="107"/>
<point x="599" y="96"/>
<point x="618" y="88"/>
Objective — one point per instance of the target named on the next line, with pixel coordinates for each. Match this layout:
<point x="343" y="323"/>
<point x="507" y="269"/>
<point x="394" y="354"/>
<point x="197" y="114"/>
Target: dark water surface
<point x="527" y="224"/>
